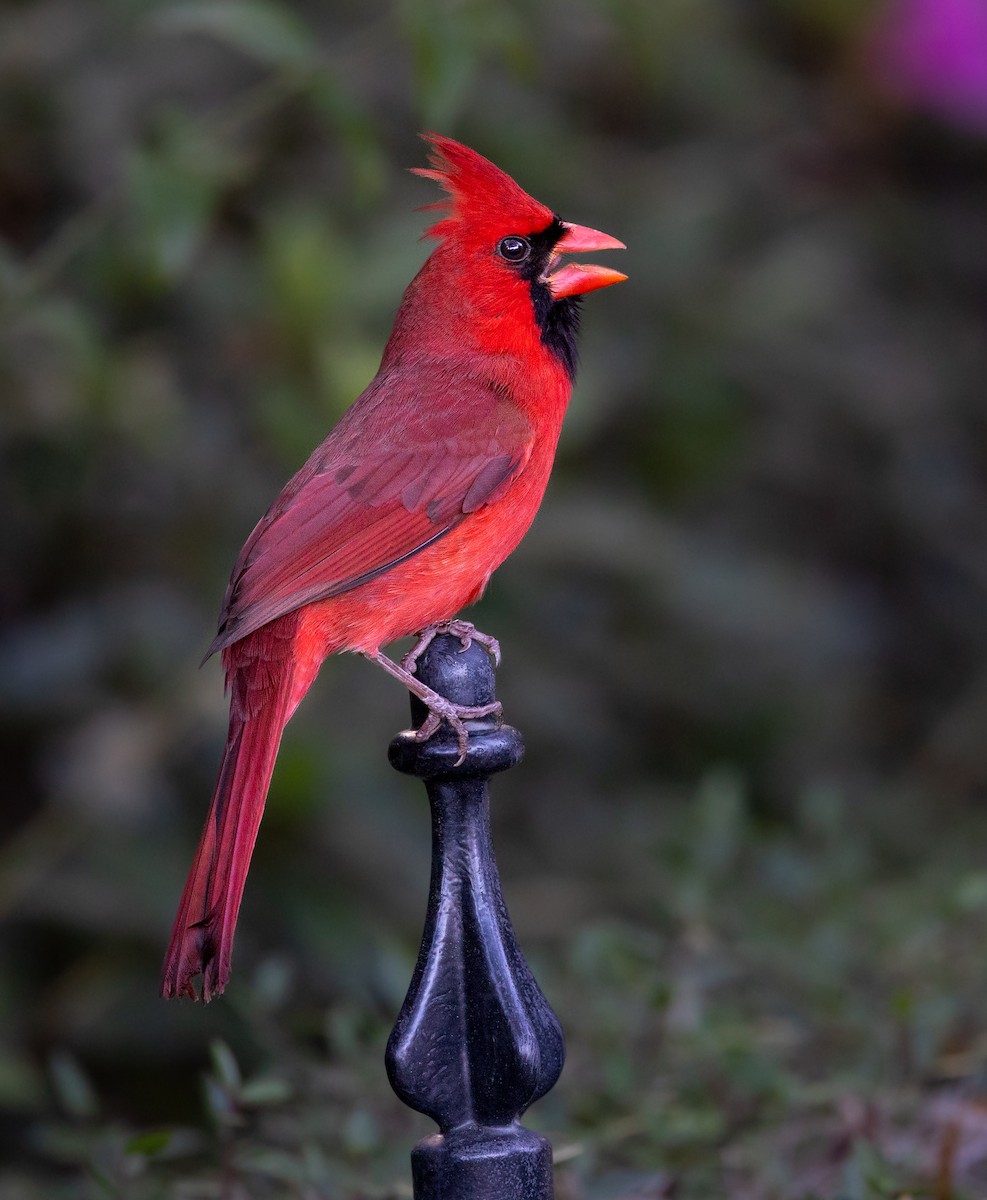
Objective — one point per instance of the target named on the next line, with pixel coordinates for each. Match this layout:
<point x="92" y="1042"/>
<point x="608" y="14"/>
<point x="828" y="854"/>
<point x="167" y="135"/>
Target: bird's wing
<point x="390" y="480"/>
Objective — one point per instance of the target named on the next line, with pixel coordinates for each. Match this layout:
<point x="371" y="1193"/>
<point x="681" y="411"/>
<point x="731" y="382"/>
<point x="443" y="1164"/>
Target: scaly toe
<point x="429" y="726"/>
<point x="462" y="739"/>
<point x="492" y="647"/>
<point x="455" y="715"/>
<point x="410" y="660"/>
<point x="486" y="640"/>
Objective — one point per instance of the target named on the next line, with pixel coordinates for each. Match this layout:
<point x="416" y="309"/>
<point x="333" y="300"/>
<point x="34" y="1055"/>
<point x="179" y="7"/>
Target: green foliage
<point x="451" y="41"/>
<point x="176" y="181"/>
<point x="744" y="639"/>
<point x="759" y="1021"/>
<point x="269" y="32"/>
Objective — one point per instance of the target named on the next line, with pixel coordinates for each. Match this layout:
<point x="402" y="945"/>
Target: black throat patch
<point x="558" y="320"/>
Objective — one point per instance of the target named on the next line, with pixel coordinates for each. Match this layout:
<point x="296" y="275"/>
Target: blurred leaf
<point x="148" y="1144"/>
<point x="450" y="41"/>
<point x="264" y="29"/>
<point x="685" y="1125"/>
<point x="272" y="983"/>
<point x="271" y="1162"/>
<point x="971" y="891"/>
<point x="174" y="186"/>
<point x="361" y="1133"/>
<point x="345" y="111"/>
<point x="75" y="1093"/>
<point x="720" y="820"/>
<point x="225" y="1065"/>
<point x="220" y="1104"/>
<point x="262" y="1093"/>
<point x="307" y="270"/>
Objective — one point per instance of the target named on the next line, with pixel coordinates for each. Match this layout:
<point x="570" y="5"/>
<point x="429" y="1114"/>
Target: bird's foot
<point x="439" y="708"/>
<point x="467" y="633"/>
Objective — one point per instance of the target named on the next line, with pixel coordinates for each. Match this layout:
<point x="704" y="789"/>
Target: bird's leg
<point x="464" y="630"/>
<point x="439" y="708"/>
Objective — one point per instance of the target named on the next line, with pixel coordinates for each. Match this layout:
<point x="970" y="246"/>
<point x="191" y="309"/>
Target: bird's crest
<point x="480" y="194"/>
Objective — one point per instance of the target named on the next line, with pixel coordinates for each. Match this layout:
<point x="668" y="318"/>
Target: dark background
<point x="745" y="640"/>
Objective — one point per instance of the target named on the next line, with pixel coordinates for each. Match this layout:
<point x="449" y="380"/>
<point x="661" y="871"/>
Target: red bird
<point x="400" y="517"/>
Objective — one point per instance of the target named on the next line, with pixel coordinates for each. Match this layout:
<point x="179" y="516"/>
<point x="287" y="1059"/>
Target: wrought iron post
<point x="475" y="1042"/>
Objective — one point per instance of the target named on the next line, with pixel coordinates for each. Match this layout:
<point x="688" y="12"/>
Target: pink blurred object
<point x="932" y="54"/>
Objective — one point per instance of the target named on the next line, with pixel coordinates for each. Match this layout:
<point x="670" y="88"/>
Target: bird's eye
<point x="514" y="249"/>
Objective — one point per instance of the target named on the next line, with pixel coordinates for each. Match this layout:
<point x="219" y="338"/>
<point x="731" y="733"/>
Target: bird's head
<point x="508" y="246"/>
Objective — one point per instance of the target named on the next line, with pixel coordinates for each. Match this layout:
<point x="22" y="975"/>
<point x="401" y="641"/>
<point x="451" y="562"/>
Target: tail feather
<point x="202" y="937"/>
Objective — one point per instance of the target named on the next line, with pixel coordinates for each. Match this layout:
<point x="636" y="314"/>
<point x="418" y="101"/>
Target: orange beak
<point x="576" y="278"/>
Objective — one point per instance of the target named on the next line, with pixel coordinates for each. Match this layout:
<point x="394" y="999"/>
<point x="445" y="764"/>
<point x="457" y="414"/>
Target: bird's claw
<point x="464" y="630"/>
<point x="471" y="634"/>
<point x="440" y="710"/>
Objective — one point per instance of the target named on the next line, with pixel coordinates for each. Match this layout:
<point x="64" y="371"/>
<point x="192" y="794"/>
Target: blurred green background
<point x="745" y="641"/>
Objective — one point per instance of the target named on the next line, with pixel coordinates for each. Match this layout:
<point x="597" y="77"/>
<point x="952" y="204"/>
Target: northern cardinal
<point x="399" y="518"/>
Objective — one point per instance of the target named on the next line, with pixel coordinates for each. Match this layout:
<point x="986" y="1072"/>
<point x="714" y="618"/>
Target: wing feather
<point x="387" y="482"/>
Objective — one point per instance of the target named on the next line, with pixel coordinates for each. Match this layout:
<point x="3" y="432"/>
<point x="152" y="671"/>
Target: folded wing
<point x="386" y="483"/>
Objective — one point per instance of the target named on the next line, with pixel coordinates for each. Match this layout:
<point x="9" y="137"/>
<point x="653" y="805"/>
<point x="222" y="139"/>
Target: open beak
<point x="574" y="279"/>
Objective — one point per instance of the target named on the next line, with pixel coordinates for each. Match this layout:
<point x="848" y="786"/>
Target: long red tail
<point x="260" y="705"/>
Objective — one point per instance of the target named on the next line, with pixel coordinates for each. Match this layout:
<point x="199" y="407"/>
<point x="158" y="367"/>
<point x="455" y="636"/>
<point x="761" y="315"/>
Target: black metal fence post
<point x="475" y="1042"/>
